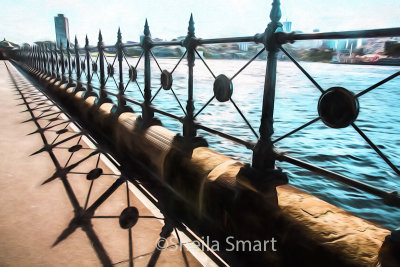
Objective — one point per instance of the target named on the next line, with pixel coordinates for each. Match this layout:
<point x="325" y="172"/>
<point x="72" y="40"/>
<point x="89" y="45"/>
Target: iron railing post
<point x="46" y="60"/>
<point x="58" y="78"/>
<point x="42" y="61"/>
<point x="31" y="57"/>
<point x="53" y="74"/>
<point x="89" y="89"/>
<point x="38" y="58"/>
<point x="102" y="94"/>
<point x="48" y="54"/>
<point x="190" y="42"/>
<point x="147" y="111"/>
<point x="121" y="107"/>
<point x="70" y="80"/>
<point x="63" y="78"/>
<point x="263" y="154"/>
<point x="77" y="67"/>
<point x="33" y="60"/>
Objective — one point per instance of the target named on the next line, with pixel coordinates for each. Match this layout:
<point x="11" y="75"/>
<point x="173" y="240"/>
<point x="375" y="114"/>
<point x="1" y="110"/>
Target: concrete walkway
<point x="33" y="216"/>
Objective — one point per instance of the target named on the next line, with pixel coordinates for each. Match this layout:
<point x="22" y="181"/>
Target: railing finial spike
<point x="191" y="26"/>
<point x="100" y="36"/>
<point x="76" y="41"/>
<point x="146" y="28"/>
<point x="119" y="35"/>
<point x="86" y="41"/>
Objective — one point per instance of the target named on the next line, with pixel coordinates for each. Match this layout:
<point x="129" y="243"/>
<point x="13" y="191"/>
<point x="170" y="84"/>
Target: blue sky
<point x="29" y="20"/>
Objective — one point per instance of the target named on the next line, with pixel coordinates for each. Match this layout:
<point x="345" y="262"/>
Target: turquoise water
<point x="339" y="150"/>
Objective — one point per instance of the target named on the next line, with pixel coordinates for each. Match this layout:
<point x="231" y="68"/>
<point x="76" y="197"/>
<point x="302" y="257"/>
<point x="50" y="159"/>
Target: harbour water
<point x="340" y="150"/>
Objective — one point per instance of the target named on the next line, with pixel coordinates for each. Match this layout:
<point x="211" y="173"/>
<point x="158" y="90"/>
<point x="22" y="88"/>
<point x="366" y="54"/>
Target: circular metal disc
<point x="94" y="67"/>
<point x="338" y="107"/>
<point x="110" y="70"/>
<point x="166" y="80"/>
<point x="132" y="73"/>
<point x="223" y="88"/>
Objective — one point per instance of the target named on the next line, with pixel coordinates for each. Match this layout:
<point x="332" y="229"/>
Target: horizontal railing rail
<point x="76" y="67"/>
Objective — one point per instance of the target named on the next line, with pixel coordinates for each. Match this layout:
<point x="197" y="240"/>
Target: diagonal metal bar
<point x="377" y="150"/>
<point x="152" y="55"/>
<point x="296" y="130"/>
<point x="159" y="89"/>
<point x="115" y="82"/>
<point x="302" y="70"/>
<point x="248" y="63"/>
<point x="140" y="89"/>
<point x="126" y="86"/>
<point x="104" y="56"/>
<point x="244" y="118"/>
<point x="141" y="55"/>
<point x="337" y="177"/>
<point x="179" y="102"/>
<point x="208" y="102"/>
<point x="205" y="63"/>
<point x="378" y="84"/>
<point x="126" y="60"/>
<point x="184" y="54"/>
<point x="115" y="58"/>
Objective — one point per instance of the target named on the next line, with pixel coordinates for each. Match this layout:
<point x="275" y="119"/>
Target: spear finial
<point x="119" y="35"/>
<point x="146" y="28"/>
<point x="100" y="36"/>
<point x="191" y="26"/>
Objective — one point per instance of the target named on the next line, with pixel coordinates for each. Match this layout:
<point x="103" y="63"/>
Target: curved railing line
<point x="65" y="62"/>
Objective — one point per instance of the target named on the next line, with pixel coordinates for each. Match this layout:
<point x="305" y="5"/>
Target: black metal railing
<point x="62" y="66"/>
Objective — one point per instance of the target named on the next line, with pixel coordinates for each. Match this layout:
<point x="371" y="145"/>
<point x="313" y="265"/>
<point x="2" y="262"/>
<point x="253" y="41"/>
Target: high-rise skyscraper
<point x="62" y="30"/>
<point x="287" y="26"/>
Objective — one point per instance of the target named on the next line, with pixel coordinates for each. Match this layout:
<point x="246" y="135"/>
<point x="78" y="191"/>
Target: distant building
<point x="329" y="44"/>
<point x="287" y="26"/>
<point x="243" y="46"/>
<point x="5" y="47"/>
<point x="62" y="30"/>
<point x="342" y="44"/>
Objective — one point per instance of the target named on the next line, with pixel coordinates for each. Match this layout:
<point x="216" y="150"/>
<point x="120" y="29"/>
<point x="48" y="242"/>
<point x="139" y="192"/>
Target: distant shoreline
<point x="396" y="64"/>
